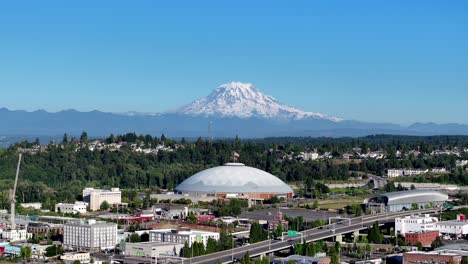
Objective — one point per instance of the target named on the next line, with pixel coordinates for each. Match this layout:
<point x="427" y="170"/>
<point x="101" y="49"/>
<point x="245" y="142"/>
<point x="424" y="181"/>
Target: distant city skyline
<point x="394" y="61"/>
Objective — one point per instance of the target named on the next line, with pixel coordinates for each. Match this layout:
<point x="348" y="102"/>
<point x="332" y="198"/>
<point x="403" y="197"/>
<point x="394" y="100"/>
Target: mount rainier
<point x="243" y="100"/>
<point x="231" y="109"/>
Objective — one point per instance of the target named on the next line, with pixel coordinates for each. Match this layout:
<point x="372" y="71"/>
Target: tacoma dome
<point x="235" y="180"/>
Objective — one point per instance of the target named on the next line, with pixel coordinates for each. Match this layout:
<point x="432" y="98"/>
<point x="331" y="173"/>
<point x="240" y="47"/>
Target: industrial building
<point x="152" y="250"/>
<point x="235" y="180"/>
<point x="417" y="257"/>
<point x="415" y="224"/>
<point x="71" y="208"/>
<point x="425" y="238"/>
<point x="181" y="236"/>
<point x="455" y="228"/>
<point x="95" y="197"/>
<point x="405" y="200"/>
<point x="90" y="235"/>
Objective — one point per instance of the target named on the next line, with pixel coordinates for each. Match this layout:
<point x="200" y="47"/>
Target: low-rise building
<point x="37" y="228"/>
<point x="152" y="249"/>
<point x="418" y="257"/>
<point x="14" y="235"/>
<point x="425" y="238"/>
<point x="71" y="208"/>
<point x="182" y="235"/>
<point x="35" y="206"/>
<point x="393" y="173"/>
<point x="90" y="235"/>
<point x="461" y="163"/>
<point x="302" y="260"/>
<point x="70" y="257"/>
<point x="457" y="228"/>
<point x="415" y="224"/>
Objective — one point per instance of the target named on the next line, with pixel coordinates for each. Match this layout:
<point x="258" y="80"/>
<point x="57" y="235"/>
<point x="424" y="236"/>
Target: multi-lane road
<point x="265" y="247"/>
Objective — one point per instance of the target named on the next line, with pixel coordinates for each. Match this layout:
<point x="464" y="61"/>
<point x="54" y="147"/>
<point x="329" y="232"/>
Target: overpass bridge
<point x="309" y="235"/>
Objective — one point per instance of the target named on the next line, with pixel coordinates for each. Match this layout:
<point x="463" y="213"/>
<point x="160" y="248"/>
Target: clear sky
<point x="386" y="61"/>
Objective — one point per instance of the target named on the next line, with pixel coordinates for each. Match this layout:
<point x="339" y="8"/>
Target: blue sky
<point x="386" y="61"/>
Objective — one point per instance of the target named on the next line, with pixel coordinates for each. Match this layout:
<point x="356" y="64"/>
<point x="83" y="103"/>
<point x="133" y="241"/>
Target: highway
<point x="314" y="234"/>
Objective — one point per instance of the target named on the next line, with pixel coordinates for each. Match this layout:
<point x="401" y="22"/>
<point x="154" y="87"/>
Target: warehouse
<point x="405" y="200"/>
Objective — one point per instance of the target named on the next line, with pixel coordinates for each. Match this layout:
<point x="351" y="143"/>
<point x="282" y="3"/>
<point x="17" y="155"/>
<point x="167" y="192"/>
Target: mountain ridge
<point x="231" y="109"/>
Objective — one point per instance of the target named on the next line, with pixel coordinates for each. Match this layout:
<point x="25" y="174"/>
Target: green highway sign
<point x="292" y="233"/>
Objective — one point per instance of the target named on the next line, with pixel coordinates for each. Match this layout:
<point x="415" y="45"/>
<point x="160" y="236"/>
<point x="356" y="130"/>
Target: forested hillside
<point x="61" y="171"/>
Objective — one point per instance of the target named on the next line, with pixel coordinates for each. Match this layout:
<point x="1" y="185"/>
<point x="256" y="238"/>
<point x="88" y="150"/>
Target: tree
<point x="134" y="238"/>
<point x="437" y="243"/>
<point x="76" y="262"/>
<point x="65" y="138"/>
<point x="413" y="187"/>
<point x="192" y="218"/>
<point x="257" y="233"/>
<point x="84" y="138"/>
<point x="54" y="250"/>
<point x="419" y="245"/>
<point x="246" y="258"/>
<point x="414" y="206"/>
<point x="25" y="252"/>
<point x="104" y="206"/>
<point x="315" y="205"/>
<point x="375" y="236"/>
<point x="211" y="246"/>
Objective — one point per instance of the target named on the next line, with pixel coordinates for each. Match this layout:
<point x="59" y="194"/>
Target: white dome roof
<point x="234" y="178"/>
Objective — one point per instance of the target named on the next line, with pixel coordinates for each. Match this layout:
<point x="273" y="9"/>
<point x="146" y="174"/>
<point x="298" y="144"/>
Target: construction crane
<point x="12" y="195"/>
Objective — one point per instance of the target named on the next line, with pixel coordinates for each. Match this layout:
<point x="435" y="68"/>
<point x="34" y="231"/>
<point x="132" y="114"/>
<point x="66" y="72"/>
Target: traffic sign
<point x="292" y="233"/>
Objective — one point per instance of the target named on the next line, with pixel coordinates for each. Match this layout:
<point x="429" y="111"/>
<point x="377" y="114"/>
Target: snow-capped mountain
<point x="243" y="100"/>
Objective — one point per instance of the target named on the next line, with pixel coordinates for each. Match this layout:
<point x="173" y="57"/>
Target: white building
<point x="90" y="236"/>
<point x="68" y="208"/>
<point x="182" y="236"/>
<point x="35" y="206"/>
<point x="152" y="249"/>
<point x="411" y="172"/>
<point x="461" y="163"/>
<point x="393" y="173"/>
<point x="458" y="228"/>
<point x="95" y="197"/>
<point x="415" y="224"/>
<point x="70" y="257"/>
<point x="308" y="156"/>
<point x="15" y="235"/>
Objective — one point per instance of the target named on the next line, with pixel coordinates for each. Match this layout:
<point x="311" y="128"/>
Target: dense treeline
<point x="63" y="170"/>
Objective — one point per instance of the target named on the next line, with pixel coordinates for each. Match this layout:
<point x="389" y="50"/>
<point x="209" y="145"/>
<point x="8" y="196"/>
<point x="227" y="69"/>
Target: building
<point x="308" y="156"/>
<point x="14" y="235"/>
<point x="278" y="221"/>
<point x="393" y="173"/>
<point x="70" y="257"/>
<point x="37" y="228"/>
<point x="71" y="208"/>
<point x="90" y="236"/>
<point x="412" y="172"/>
<point x="461" y="163"/>
<point x="181" y="236"/>
<point x="302" y="260"/>
<point x="454" y="228"/>
<point x="35" y="206"/>
<point x="235" y="180"/>
<point x="415" y="224"/>
<point x="95" y="197"/>
<point x="414" y="257"/>
<point x="152" y="249"/>
<point x="425" y="238"/>
<point x="405" y="200"/>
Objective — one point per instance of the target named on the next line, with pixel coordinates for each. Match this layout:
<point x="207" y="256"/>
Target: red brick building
<point x="426" y="238"/>
<point x="418" y="257"/>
